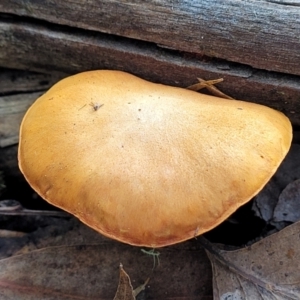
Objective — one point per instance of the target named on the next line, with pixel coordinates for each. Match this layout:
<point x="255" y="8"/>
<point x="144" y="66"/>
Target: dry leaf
<point x="269" y="269"/>
<point x="68" y="260"/>
<point x="125" y="289"/>
<point x="265" y="202"/>
<point x="288" y="206"/>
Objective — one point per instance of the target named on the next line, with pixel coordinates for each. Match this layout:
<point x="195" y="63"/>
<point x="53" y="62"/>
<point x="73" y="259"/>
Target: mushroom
<point x="144" y="163"/>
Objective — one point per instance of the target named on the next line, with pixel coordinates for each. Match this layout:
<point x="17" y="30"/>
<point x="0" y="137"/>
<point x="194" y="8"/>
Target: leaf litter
<point x="68" y="260"/>
<point x="268" y="269"/>
<point x="279" y="201"/>
<point x="125" y="290"/>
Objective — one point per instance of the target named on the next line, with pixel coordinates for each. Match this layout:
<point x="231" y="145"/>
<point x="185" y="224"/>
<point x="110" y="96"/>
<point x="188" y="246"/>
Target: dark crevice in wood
<point x="283" y="2"/>
<point x="12" y="93"/>
<point x="150" y="48"/>
<point x="120" y="41"/>
<point x="13" y="81"/>
<point x="79" y="33"/>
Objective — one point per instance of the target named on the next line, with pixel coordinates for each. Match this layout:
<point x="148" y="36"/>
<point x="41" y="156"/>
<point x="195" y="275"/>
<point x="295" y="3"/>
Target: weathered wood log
<point x="41" y="47"/>
<point x="18" y="90"/>
<point x="14" y="81"/>
<point x="12" y="109"/>
<point x="262" y="34"/>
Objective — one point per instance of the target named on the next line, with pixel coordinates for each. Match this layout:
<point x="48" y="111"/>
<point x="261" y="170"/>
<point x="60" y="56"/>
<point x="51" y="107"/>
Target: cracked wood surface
<point x="262" y="34"/>
<point x="40" y="47"/>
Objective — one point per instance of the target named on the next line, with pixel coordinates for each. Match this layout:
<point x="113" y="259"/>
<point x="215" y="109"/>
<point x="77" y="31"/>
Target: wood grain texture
<point x="40" y="47"/>
<point x="18" y="90"/>
<point x="18" y="81"/>
<point x="12" y="110"/>
<point x="260" y="33"/>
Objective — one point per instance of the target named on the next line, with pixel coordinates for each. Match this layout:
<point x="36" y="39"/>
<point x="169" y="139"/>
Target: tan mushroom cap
<point x="154" y="165"/>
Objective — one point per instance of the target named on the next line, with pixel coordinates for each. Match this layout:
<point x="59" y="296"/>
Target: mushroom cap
<point x="144" y="163"/>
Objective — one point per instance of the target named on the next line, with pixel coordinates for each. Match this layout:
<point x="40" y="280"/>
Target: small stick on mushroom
<point x="209" y="84"/>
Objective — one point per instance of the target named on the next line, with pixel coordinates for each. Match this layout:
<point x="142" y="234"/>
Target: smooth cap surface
<point x="148" y="164"/>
